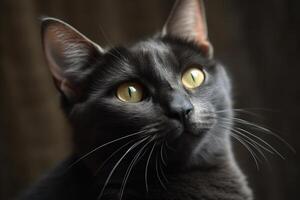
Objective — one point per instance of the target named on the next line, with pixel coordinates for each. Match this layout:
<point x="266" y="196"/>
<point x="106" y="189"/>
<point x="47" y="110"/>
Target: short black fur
<point x="174" y="138"/>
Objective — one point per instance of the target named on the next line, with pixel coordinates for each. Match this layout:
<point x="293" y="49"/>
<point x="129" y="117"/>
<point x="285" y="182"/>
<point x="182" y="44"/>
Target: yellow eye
<point x="130" y="92"/>
<point x="192" y="78"/>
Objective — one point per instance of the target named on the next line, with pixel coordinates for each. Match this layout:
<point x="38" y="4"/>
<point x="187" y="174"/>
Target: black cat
<point x="150" y="120"/>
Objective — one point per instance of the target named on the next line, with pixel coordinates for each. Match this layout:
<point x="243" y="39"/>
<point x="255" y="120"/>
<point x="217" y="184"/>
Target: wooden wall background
<point x="258" y="40"/>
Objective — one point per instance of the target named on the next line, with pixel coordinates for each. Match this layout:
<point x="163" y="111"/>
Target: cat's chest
<point x="219" y="185"/>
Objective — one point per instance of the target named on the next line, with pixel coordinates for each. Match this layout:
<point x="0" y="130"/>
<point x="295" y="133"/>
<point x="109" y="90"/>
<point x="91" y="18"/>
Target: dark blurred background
<point x="258" y="40"/>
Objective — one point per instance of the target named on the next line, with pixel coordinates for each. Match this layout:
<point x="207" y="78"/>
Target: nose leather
<point x="178" y="105"/>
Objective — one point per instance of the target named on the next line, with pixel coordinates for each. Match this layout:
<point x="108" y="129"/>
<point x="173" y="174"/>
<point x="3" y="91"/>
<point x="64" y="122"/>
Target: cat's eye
<point x="192" y="78"/>
<point x="130" y="92"/>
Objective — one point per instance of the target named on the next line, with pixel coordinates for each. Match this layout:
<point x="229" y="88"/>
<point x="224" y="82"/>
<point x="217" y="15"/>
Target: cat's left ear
<point x="188" y="21"/>
<point x="70" y="56"/>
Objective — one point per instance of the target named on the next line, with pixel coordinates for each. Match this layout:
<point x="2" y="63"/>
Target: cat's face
<point x="164" y="93"/>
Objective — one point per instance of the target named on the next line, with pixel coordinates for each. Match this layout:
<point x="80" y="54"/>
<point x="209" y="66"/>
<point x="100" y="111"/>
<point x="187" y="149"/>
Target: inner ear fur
<point x="69" y="55"/>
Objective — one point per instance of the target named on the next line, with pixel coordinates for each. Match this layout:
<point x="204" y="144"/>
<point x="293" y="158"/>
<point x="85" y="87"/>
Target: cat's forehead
<point x="155" y="59"/>
<point x="152" y="47"/>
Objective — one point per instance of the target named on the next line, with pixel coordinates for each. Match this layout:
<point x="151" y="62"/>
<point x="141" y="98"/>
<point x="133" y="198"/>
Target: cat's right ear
<point x="70" y="56"/>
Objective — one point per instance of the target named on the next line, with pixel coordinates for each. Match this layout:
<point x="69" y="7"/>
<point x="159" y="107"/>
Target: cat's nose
<point x="179" y="106"/>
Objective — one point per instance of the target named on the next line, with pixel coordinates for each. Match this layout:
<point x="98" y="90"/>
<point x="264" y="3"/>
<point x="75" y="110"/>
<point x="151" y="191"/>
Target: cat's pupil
<point x="193" y="77"/>
<point x="131" y="90"/>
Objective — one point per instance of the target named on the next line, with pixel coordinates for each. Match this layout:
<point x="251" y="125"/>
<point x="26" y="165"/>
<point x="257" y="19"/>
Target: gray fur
<point x="199" y="162"/>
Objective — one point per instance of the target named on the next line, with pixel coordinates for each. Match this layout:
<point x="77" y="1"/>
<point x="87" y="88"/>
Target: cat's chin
<point x="180" y="150"/>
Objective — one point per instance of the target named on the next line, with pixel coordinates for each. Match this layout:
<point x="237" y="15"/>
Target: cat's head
<point x="165" y="93"/>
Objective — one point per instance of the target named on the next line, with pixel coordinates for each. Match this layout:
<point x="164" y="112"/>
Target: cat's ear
<point x="188" y="21"/>
<point x="70" y="56"/>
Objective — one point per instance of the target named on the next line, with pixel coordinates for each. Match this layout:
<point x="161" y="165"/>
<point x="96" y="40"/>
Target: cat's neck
<point x="224" y="182"/>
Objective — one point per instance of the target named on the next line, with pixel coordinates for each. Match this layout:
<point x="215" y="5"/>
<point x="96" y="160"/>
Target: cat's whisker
<point x="157" y="172"/>
<point x="163" y="174"/>
<point x="109" y="143"/>
<point x="147" y="165"/>
<point x="169" y="147"/>
<point x="254" y="156"/>
<point x="165" y="150"/>
<point x="161" y="154"/>
<point x="113" y="154"/>
<point x="273" y="150"/>
<point x="265" y="130"/>
<point x="131" y="165"/>
<point x="268" y="147"/>
<point x="256" y="147"/>
<point x="241" y="140"/>
<point x="162" y="160"/>
<point x="117" y="164"/>
<point x="244" y="122"/>
<point x="253" y="143"/>
<point x="248" y="110"/>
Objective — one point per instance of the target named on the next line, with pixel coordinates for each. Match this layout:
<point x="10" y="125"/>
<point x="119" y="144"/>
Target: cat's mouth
<point x="186" y="138"/>
<point x="189" y="129"/>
